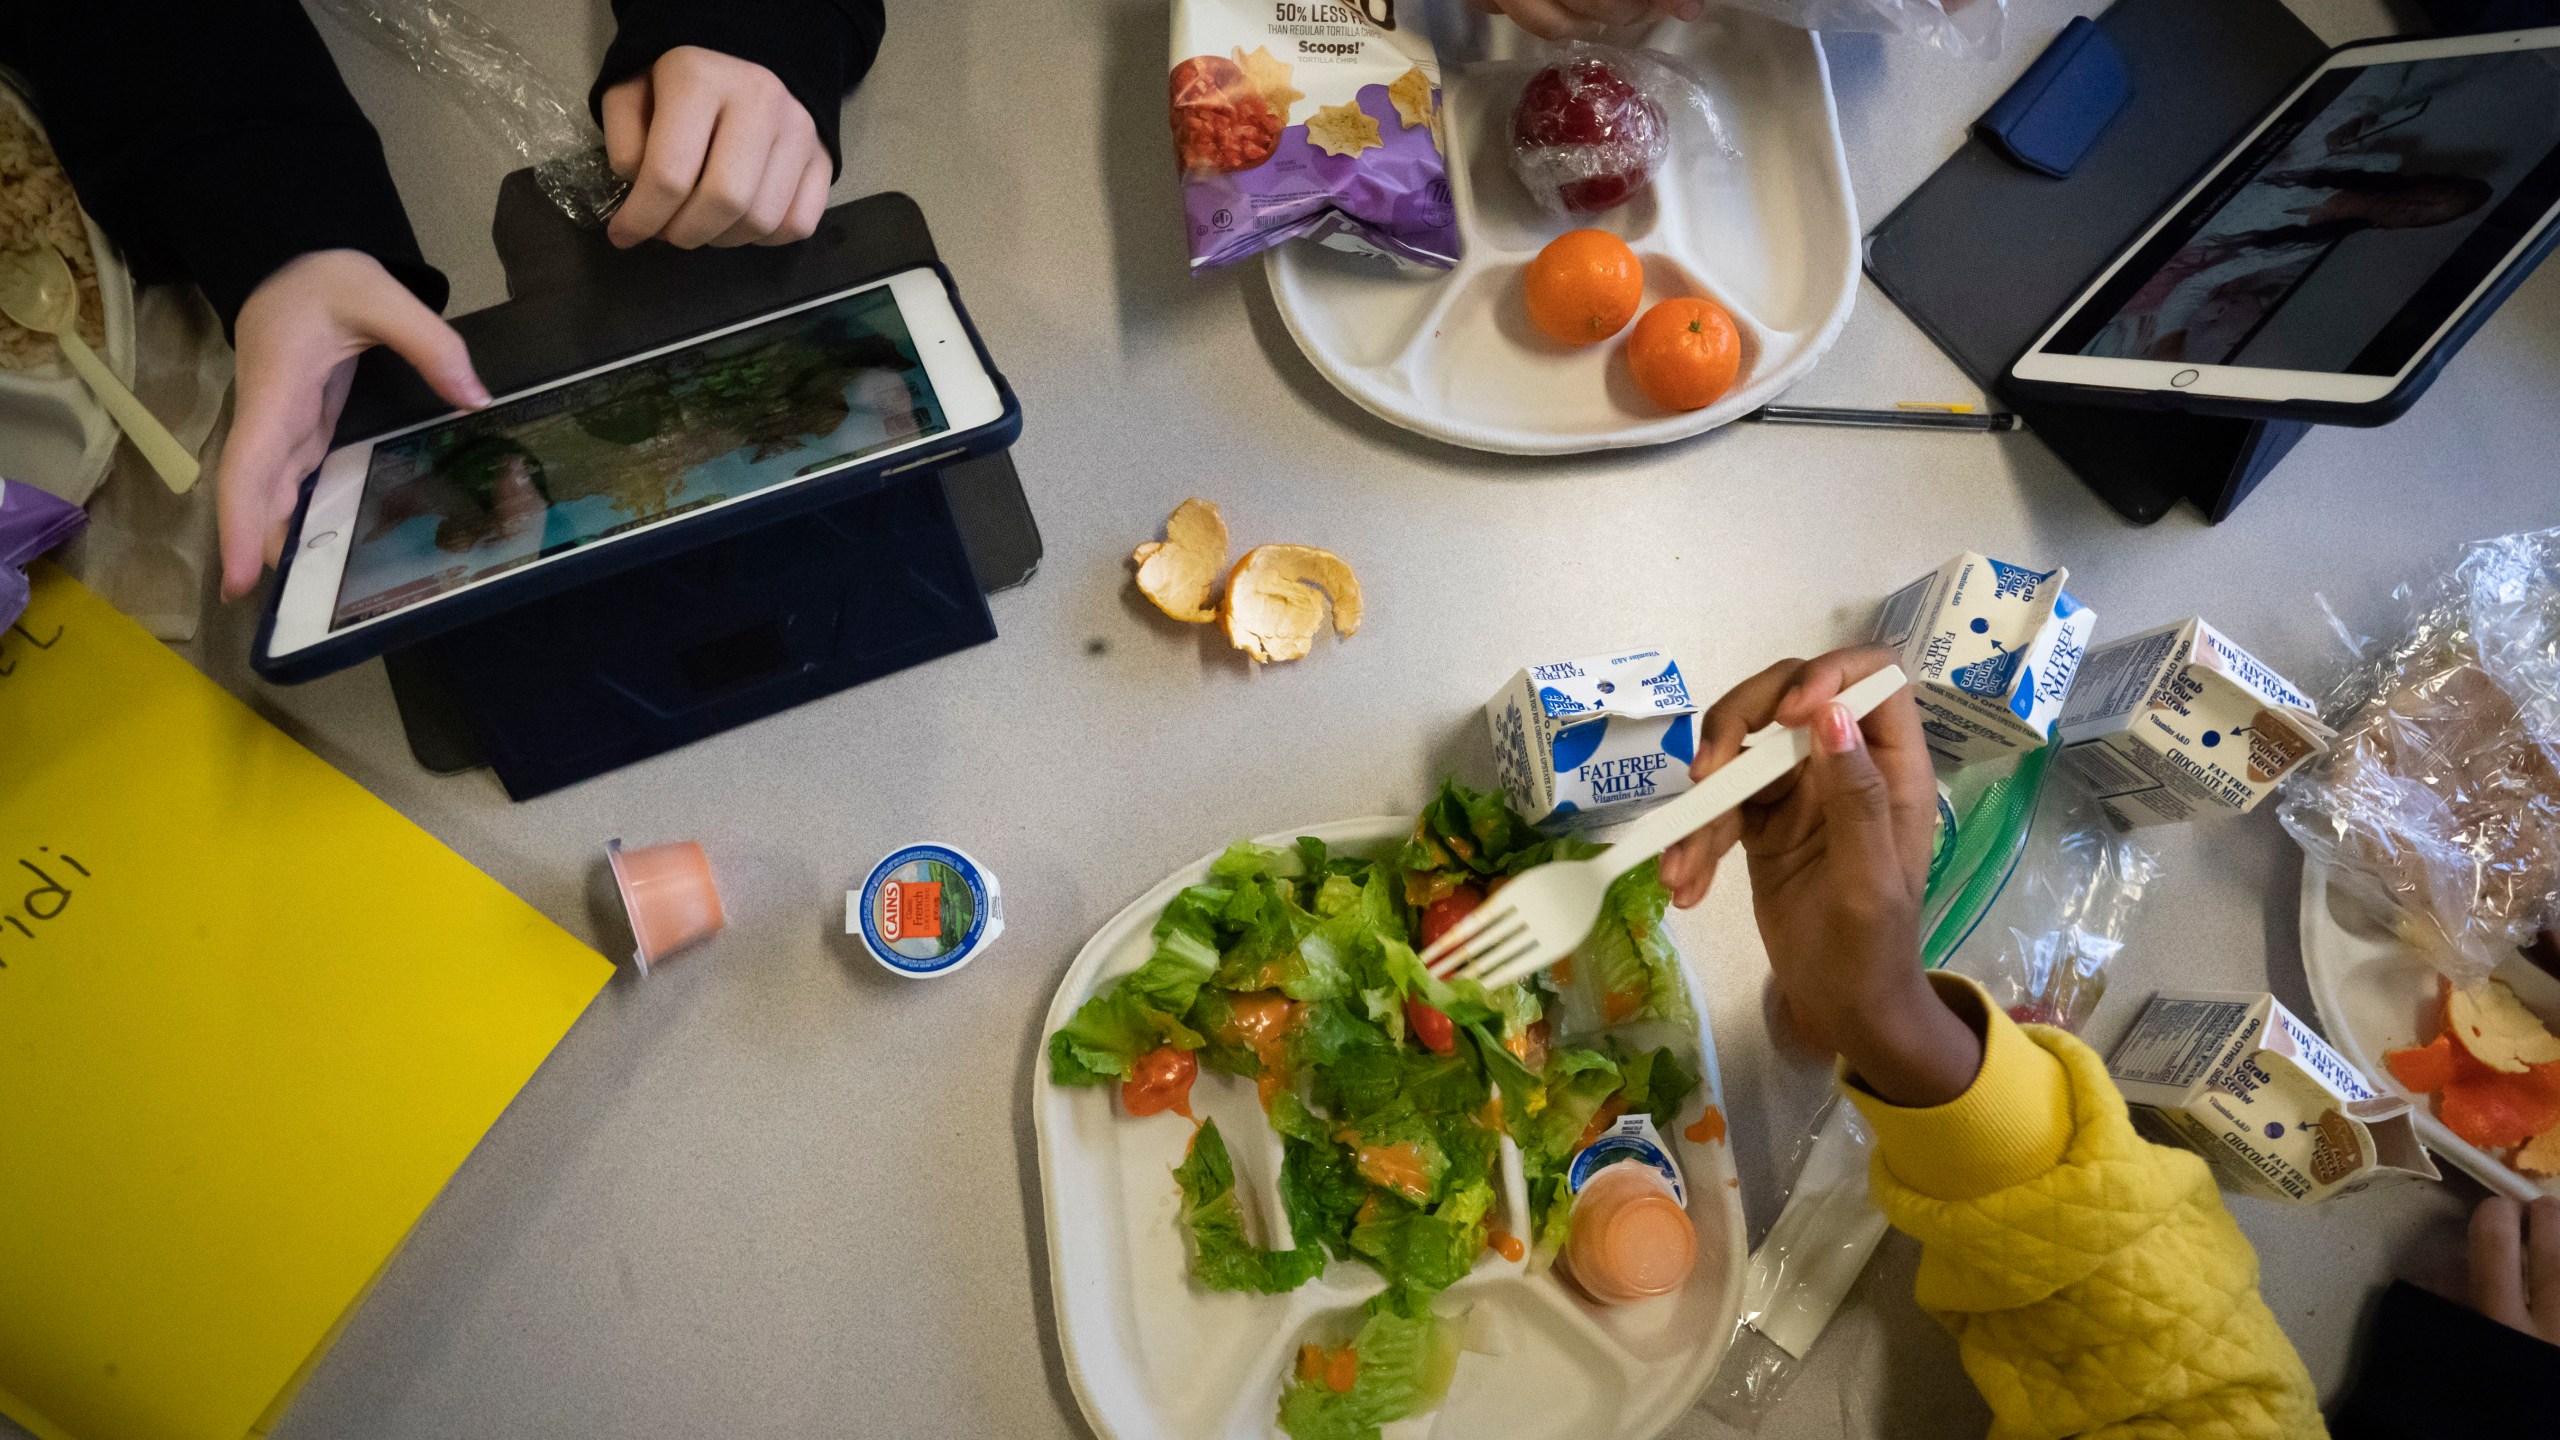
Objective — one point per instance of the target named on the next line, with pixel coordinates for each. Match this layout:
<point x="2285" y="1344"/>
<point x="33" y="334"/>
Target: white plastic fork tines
<point x="1543" y="914"/>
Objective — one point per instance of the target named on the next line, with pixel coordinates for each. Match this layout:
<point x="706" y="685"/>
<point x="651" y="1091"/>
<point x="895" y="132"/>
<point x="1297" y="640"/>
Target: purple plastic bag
<point x="1314" y="119"/>
<point x="31" y="522"/>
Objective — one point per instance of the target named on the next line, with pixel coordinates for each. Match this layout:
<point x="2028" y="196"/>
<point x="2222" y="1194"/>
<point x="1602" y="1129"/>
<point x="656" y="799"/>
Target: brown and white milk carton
<point x="2179" y="722"/>
<point x="2241" y="1080"/>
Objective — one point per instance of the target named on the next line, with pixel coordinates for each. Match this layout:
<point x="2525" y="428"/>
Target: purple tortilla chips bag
<point x="1314" y="119"/>
<point x="31" y="522"/>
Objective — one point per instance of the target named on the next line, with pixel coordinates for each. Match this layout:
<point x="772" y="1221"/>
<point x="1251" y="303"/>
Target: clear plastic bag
<point x="1803" y="1268"/>
<point x="1971" y="28"/>
<point x="511" y="101"/>
<point x="2081" y="890"/>
<point x="2439" y="802"/>
<point x="1595" y="125"/>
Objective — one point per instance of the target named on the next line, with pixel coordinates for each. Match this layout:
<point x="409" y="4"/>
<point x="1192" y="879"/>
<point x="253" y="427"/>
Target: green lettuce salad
<point x="1390" y="1089"/>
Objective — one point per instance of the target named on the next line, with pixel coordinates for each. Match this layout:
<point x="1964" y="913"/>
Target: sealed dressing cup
<point x="926" y="910"/>
<point x="669" y="895"/>
<point x="1631" y="1237"/>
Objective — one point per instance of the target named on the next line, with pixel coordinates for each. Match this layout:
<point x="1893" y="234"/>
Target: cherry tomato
<point x="1447" y="911"/>
<point x="1431" y="1027"/>
<point x="1161" y="1081"/>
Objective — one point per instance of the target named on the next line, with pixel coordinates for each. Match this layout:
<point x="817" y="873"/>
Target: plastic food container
<point x="668" y="895"/>
<point x="926" y="910"/>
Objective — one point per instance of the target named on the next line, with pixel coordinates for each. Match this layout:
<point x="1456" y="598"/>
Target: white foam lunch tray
<point x="1153" y="1358"/>
<point x="1771" y="234"/>
<point x="53" y="432"/>
<point x="2375" y="994"/>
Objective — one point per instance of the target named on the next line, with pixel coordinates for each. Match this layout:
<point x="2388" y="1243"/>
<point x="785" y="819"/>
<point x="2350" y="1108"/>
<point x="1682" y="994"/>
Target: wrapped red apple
<point x="1594" y="127"/>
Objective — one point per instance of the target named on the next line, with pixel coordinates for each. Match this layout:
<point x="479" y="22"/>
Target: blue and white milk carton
<point x="1991" y="648"/>
<point x="1581" y="742"/>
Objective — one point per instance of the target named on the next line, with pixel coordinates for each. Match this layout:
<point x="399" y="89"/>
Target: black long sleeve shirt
<point x="215" y="141"/>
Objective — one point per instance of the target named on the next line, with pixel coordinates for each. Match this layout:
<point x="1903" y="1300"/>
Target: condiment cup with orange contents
<point x="669" y="896"/>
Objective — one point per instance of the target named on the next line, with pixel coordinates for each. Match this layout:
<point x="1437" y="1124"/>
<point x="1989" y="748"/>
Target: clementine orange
<point x="1684" y="353"/>
<point x="1584" y="287"/>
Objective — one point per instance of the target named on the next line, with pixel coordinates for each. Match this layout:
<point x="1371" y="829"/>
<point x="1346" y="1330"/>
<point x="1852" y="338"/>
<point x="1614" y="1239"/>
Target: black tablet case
<point x="1984" y="254"/>
<point x="639" y="662"/>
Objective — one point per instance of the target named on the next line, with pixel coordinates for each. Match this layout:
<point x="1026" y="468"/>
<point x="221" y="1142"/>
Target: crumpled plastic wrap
<point x="2439" y="802"/>
<point x="1596" y="123"/>
<point x="511" y="101"/>
<point x="1970" y="28"/>
<point x="2082" y="886"/>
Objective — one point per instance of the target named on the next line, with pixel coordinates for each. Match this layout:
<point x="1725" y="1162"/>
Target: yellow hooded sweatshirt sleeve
<point x="2093" y="1281"/>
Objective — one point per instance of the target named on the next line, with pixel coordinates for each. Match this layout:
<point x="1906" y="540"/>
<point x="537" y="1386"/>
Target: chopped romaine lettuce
<point x="1221" y="1257"/>
<point x="1296" y="967"/>
<point x="1403" y="1368"/>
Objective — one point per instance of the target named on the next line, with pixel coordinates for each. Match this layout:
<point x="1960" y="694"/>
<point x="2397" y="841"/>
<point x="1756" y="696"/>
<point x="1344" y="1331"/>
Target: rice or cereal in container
<point x="37" y="207"/>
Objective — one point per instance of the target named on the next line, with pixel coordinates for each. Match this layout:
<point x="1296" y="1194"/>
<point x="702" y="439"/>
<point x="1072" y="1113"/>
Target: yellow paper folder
<point x="251" y="1020"/>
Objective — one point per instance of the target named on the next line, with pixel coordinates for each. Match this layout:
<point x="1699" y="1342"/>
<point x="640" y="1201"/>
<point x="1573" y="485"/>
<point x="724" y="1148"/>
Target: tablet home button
<point x="2184" y="378"/>
<point x="316" y="541"/>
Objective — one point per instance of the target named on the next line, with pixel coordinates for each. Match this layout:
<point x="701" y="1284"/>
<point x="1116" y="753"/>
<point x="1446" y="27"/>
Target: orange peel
<point x="2490" y="1022"/>
<point x="1179" y="572"/>
<point x="1277" y="598"/>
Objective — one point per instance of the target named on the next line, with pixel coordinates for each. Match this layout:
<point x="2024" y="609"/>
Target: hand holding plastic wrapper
<point x="501" y="91"/>
<point x="2440" y="799"/>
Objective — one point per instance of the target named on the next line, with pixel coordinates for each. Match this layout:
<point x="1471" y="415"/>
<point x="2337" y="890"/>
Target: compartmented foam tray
<point x="1771" y="234"/>
<point x="1152" y="1357"/>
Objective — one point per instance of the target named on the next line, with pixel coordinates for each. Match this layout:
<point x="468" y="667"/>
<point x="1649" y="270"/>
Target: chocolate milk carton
<point x="1594" y="741"/>
<point x="1990" y="648"/>
<point x="2242" y="1081"/>
<point x="2179" y="722"/>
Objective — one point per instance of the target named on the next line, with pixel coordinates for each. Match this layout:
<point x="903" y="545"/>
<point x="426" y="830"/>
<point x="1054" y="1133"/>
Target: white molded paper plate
<point x="1152" y="1358"/>
<point x="1771" y="235"/>
<point x="2375" y="994"/>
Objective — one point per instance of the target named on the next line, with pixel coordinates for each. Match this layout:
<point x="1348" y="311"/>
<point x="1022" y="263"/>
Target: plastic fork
<point x="1543" y="914"/>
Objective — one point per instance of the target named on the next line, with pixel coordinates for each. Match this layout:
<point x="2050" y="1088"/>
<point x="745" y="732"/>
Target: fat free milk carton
<point x="1580" y="742"/>
<point x="2179" y="722"/>
<point x="1990" y="648"/>
<point x="2241" y="1080"/>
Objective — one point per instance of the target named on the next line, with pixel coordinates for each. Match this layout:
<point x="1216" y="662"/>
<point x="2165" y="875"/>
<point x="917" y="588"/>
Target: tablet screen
<point x="481" y="494"/>
<point x="2351" y="229"/>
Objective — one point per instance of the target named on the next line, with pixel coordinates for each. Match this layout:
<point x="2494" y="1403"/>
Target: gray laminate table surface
<point x="774" y="1191"/>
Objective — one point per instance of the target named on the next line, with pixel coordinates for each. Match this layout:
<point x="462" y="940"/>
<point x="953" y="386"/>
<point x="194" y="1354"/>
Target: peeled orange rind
<point x="1179" y="572"/>
<point x="2490" y="1022"/>
<point x="1276" y="600"/>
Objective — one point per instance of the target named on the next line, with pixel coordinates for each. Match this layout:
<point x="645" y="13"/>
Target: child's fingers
<point x="2544" y="1300"/>
<point x="2497" y="1263"/>
<point x="1857" y="807"/>
<point x="1821" y="679"/>
<point x="1745" y="708"/>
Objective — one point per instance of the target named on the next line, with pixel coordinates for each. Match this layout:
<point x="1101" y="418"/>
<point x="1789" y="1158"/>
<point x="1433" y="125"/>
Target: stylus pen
<point x="1886" y="419"/>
